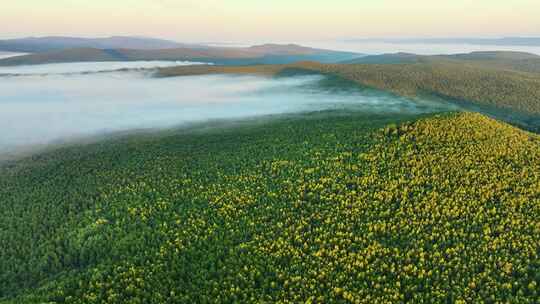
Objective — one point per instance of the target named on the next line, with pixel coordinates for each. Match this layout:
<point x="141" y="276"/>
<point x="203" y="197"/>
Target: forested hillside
<point x="502" y="88"/>
<point x="505" y="89"/>
<point x="517" y="61"/>
<point x="321" y="207"/>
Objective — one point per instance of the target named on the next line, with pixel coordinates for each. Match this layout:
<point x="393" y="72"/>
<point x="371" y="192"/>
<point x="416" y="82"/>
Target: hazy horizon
<point x="279" y="21"/>
<point x="381" y="47"/>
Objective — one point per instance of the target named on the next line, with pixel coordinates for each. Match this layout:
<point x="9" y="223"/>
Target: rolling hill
<point x="392" y="58"/>
<point x="494" y="86"/>
<point x="518" y="61"/>
<point x="260" y="54"/>
<point x="320" y="207"/>
<point x="57" y="43"/>
<point x="502" y="87"/>
<point x="442" y="208"/>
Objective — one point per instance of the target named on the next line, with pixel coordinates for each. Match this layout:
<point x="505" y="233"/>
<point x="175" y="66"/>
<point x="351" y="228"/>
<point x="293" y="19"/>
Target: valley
<point x="267" y="174"/>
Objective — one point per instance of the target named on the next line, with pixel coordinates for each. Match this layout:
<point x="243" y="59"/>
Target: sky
<point x="270" y="20"/>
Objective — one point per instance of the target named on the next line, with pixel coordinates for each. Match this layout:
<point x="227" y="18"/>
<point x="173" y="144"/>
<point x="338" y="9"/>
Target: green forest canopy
<point x="324" y="207"/>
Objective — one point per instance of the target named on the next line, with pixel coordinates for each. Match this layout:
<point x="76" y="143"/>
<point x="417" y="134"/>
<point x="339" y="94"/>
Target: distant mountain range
<point x="137" y="49"/>
<point x="57" y="43"/>
<point x="507" y="41"/>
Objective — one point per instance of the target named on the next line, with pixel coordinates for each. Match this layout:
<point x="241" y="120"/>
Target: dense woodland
<point x="317" y="208"/>
<point x="499" y="60"/>
<point x="332" y="206"/>
<point x="505" y="89"/>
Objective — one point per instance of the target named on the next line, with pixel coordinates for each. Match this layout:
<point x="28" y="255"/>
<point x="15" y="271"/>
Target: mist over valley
<point x="203" y="151"/>
<point x="54" y="103"/>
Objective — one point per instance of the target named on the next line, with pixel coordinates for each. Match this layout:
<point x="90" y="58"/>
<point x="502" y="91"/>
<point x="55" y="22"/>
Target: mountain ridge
<point x="258" y="54"/>
<point x="56" y="43"/>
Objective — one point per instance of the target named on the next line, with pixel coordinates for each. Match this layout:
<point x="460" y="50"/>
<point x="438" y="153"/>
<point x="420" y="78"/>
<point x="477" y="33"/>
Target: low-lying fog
<point x="87" y="67"/>
<point x="10" y="54"/>
<point x="46" y="108"/>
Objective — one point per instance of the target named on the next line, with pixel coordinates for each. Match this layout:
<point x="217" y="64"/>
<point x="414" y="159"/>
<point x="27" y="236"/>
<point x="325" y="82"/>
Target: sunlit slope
<point x="323" y="208"/>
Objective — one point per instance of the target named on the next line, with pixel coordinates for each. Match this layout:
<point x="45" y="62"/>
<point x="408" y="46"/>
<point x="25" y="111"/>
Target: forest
<point x="331" y="206"/>
<point x="230" y="152"/>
